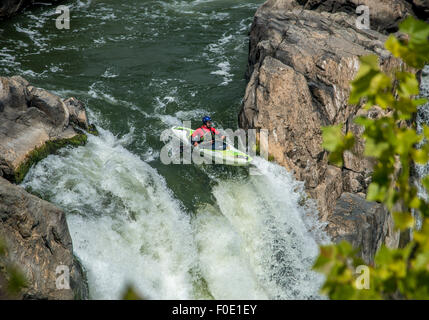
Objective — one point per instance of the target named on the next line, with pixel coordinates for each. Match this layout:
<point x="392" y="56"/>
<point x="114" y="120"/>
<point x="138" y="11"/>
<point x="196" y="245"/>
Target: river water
<point x="172" y="231"/>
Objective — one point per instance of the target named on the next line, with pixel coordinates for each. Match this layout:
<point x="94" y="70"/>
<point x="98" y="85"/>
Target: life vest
<point x="199" y="133"/>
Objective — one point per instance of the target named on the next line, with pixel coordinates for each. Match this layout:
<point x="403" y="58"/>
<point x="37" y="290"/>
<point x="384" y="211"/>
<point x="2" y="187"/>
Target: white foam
<point x="260" y="239"/>
<point x="224" y="71"/>
<point x="125" y="224"/>
<point x="109" y="74"/>
<point x="421" y="120"/>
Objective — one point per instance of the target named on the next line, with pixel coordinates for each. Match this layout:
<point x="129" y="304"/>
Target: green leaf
<point x="368" y="79"/>
<point x="373" y="193"/>
<point x="403" y="220"/>
<point x="391" y="143"/>
<point x="130" y="293"/>
<point x="332" y="137"/>
<point x="335" y="142"/>
<point x="417" y="29"/>
<point x="16" y="281"/>
<point x="369" y="62"/>
<point x="415" y="51"/>
<point x="426" y="131"/>
<point x="425" y="183"/>
<point x="408" y="84"/>
<point x="421" y="156"/>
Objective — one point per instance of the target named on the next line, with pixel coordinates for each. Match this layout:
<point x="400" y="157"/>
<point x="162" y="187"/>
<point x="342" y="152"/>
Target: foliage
<point x="12" y="281"/>
<point x="130" y="293"/>
<point x="391" y="141"/>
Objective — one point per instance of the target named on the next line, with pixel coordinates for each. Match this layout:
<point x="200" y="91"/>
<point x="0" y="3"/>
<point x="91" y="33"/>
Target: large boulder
<point x="51" y="105"/>
<point x="366" y="225"/>
<point x="38" y="245"/>
<point x="13" y="93"/>
<point x="31" y="118"/>
<point x="385" y="15"/>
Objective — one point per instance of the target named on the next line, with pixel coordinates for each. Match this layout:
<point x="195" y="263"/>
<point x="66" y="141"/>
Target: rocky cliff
<point x="302" y="57"/>
<point x="33" y="124"/>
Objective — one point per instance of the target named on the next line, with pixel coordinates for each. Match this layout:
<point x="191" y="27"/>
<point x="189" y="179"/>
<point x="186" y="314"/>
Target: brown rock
<point x="385" y="15"/>
<point x="51" y="105"/>
<point x="38" y="242"/>
<point x="366" y="225"/>
<point x="300" y="65"/>
<point x="29" y="117"/>
<point x="77" y="112"/>
<point x="13" y="94"/>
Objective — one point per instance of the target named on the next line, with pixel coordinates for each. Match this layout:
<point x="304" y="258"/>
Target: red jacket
<point x="201" y="131"/>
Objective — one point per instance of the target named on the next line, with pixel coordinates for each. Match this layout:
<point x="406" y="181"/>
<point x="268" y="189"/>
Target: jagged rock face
<point x="51" y="105"/>
<point x="421" y="8"/>
<point x="38" y="242"/>
<point x="10" y="7"/>
<point x="366" y="225"/>
<point x="301" y="63"/>
<point x="77" y="112"/>
<point x="29" y="117"/>
<point x="300" y="66"/>
<point x="385" y="15"/>
<point x="36" y="231"/>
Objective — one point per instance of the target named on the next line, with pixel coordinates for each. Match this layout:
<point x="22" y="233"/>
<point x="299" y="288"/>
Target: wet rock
<point x="366" y="225"/>
<point x="13" y="93"/>
<point x="30" y="118"/>
<point x="77" y="112"/>
<point x="39" y="245"/>
<point x="301" y="63"/>
<point x="302" y="57"/>
<point x="51" y="105"/>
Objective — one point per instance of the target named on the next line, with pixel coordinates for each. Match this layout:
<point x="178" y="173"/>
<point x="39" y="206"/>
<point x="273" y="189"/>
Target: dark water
<point x="174" y="231"/>
<point x="140" y="64"/>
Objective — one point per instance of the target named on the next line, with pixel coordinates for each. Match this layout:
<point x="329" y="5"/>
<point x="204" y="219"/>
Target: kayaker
<point x="206" y="133"/>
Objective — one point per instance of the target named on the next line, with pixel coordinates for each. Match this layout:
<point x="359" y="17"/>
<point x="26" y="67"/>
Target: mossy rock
<point x="42" y="152"/>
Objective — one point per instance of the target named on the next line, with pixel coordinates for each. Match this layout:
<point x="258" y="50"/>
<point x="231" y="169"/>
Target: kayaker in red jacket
<point x="206" y="130"/>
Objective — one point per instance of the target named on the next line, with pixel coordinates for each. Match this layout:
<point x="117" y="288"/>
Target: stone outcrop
<point x="39" y="245"/>
<point x="366" y="225"/>
<point x="302" y="57"/>
<point x="33" y="120"/>
<point x="10" y="7"/>
<point x="385" y="15"/>
<point x="33" y="124"/>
